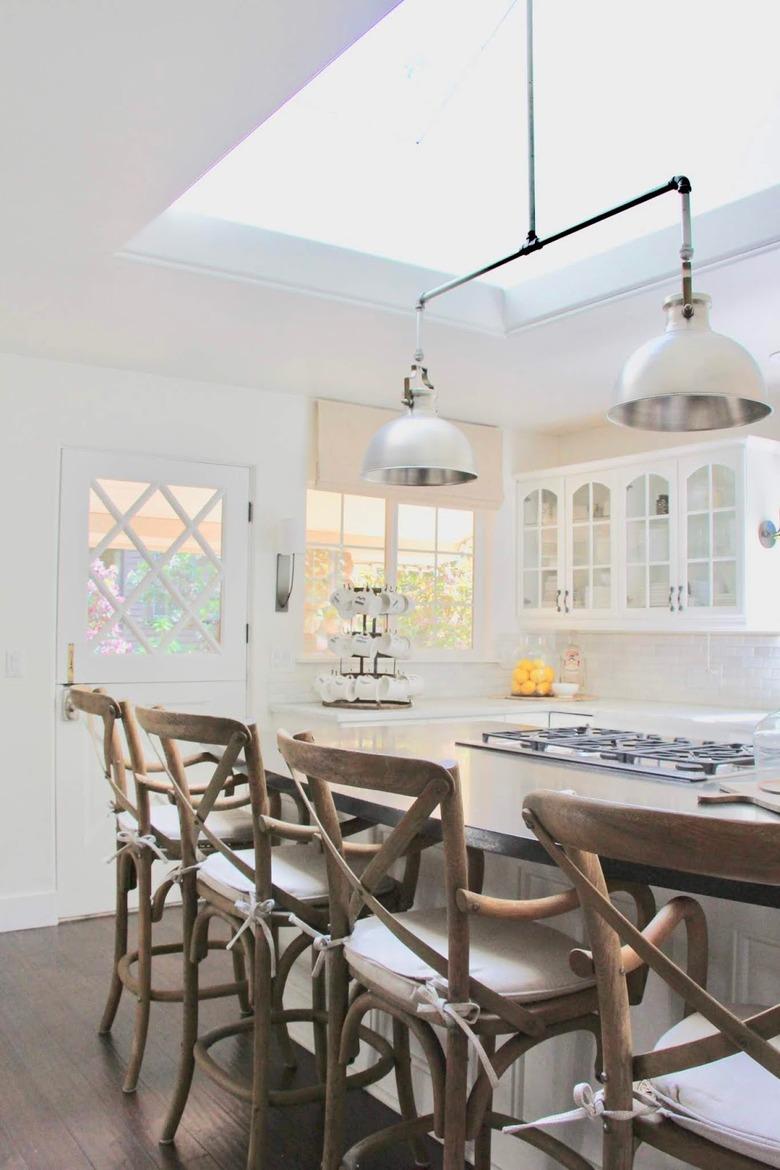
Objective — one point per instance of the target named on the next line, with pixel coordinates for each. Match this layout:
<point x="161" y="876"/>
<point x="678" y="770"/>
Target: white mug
<point x="362" y="646"/>
<point x="341" y="688"/>
<point x="340" y="645"/>
<point x="389" y="689"/>
<point x="414" y="683"/>
<point x="396" y="645"/>
<point x="398" y="603"/>
<point x="366" y="688"/>
<point x="343" y="600"/>
<point x="367" y="602"/>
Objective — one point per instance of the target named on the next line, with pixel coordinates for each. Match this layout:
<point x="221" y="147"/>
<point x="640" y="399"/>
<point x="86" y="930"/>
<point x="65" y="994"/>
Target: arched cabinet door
<point x="591" y="543"/>
<point x="711" y="538"/>
<point x="540" y="547"/>
<point x="648" y="565"/>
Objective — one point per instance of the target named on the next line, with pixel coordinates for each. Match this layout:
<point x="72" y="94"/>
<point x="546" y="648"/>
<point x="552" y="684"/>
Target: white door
<point x="153" y="581"/>
<point x="648" y="578"/>
<point x="712" y="507"/>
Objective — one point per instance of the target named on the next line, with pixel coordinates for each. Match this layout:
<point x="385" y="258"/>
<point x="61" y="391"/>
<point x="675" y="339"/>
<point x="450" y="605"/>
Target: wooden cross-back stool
<point x="148" y="832"/>
<point x="256" y="891"/>
<point x="485" y="968"/>
<point x="709" y="1092"/>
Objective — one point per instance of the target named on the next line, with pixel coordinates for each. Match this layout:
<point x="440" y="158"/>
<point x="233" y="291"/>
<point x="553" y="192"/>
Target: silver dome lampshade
<point x="419" y="449"/>
<point x="690" y="378"/>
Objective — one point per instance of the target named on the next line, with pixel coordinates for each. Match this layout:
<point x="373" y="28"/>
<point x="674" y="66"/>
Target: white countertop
<point x="697" y="720"/>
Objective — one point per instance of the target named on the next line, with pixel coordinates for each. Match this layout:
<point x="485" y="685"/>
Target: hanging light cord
<point x="679" y="183"/>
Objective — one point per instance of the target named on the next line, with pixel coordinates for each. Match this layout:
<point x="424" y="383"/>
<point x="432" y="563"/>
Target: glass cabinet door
<point x="711" y="520"/>
<point x="591" y="535"/>
<point x="650" y="532"/>
<point x="540" y="548"/>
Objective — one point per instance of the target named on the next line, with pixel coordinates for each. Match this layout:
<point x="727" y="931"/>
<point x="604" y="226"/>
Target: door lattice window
<point x="155" y="578"/>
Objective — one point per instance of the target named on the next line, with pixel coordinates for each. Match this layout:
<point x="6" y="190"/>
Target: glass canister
<point x="766" y="742"/>
<point x="573" y="666"/>
<point x="534" y="673"/>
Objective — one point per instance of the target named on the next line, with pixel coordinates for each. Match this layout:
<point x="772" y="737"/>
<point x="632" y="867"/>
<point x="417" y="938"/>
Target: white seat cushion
<point x="231" y="824"/>
<point x="524" y="961"/>
<point x="298" y="869"/>
<point x="733" y="1102"/>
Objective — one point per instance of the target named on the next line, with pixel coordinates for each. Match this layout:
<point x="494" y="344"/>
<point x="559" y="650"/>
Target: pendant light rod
<point x="529" y="61"/>
<point x="678" y="183"/>
<point x="686" y="249"/>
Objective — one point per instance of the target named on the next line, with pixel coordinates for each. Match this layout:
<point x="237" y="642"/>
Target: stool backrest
<point x="97" y="705"/>
<point x="240" y="759"/>
<point x="576" y="831"/>
<point x="433" y="790"/>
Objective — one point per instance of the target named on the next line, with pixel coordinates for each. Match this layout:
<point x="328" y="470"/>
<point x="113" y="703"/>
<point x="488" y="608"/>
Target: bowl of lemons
<point x="532" y="676"/>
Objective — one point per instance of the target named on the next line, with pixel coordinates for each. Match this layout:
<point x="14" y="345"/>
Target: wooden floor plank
<point x="61" y="1104"/>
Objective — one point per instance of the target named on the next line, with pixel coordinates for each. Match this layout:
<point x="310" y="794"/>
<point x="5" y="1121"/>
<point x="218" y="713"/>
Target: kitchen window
<point x="428" y="552"/>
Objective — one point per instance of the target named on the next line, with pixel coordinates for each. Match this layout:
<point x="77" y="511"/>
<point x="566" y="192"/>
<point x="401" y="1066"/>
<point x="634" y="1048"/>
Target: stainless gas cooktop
<point x="675" y="758"/>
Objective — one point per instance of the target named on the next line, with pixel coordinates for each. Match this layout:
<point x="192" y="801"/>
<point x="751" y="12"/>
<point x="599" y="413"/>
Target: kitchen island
<point x="743" y="920"/>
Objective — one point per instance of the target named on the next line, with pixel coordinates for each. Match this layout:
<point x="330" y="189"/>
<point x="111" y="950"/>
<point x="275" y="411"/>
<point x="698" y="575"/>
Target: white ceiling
<point x="110" y="111"/>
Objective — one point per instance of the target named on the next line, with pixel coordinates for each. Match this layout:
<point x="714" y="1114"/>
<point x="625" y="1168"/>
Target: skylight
<point x="411" y="145"/>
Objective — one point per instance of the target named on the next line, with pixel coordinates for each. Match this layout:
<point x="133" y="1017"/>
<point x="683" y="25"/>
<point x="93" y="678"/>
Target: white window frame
<point x="477" y="651"/>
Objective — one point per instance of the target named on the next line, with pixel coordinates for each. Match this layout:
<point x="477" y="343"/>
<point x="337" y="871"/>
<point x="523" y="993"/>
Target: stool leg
<point x="403" y="1080"/>
<point x="319" y="1004"/>
<point x="189" y="1033"/>
<point x="336" y="1081"/>
<point x="483" y="1143"/>
<point x="239" y="974"/>
<point x="144" y="968"/>
<point x="455" y="1092"/>
<point x="258" y="1132"/>
<point x="123" y="864"/>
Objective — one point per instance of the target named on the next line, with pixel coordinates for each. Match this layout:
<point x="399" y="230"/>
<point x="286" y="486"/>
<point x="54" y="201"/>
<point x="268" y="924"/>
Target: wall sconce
<point x="289" y="541"/>
<point x="768" y="533"/>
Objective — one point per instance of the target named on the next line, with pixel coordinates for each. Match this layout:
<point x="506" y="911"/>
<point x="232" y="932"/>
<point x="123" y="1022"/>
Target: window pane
<point x="724" y="486"/>
<point x="659" y="539"/>
<point x="531" y="548"/>
<point x="320" y="619"/>
<point x="724" y="534"/>
<point x="581" y="544"/>
<point x="581" y="588"/>
<point x="323" y="517"/>
<point x="581" y="503"/>
<point x="531" y="509"/>
<point x="549" y="507"/>
<point x="635" y="497"/>
<point x="601" y="588"/>
<point x="699" y="490"/>
<point x="456" y="531"/>
<point x="364" y="521"/>
<point x="601" y="545"/>
<point x="530" y="590"/>
<point x="635" y="541"/>
<point x="549" y="547"/>
<point x="363" y="566"/>
<point x="698" y="584"/>
<point x="601" y="501"/>
<point x="416" y="527"/>
<point x="699" y="536"/>
<point x="724" y="583"/>
<point x="635" y="587"/>
<point x="659" y="586"/>
<point x="659" y="496"/>
<point x="549" y="598"/>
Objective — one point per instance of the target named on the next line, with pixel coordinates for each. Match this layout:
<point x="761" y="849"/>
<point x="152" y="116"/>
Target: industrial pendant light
<point x="419" y="449"/>
<point x="689" y="378"/>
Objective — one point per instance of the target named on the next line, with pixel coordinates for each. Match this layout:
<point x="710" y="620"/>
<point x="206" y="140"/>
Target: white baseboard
<point x="28" y="911"/>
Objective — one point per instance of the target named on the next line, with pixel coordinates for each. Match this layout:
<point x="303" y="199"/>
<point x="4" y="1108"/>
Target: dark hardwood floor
<point x="61" y="1102"/>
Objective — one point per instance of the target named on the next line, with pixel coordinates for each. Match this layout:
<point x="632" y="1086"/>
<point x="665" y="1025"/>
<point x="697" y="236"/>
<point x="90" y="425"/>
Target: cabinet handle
<point x="679" y="598"/>
<point x="671" y="598"/>
<point x="558" y="601"/>
<point x="566" y="600"/>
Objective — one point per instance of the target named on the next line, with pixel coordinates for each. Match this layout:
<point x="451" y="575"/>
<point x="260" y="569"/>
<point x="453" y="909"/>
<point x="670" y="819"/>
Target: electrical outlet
<point x="282" y="659"/>
<point x="14" y="664"/>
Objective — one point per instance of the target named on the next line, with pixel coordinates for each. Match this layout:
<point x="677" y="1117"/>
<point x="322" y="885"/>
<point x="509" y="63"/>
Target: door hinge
<point x="249" y="512"/>
<point x="247" y="633"/>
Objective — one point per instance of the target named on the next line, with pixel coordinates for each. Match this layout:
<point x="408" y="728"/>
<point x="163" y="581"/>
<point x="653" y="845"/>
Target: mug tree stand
<point x="375" y="627"/>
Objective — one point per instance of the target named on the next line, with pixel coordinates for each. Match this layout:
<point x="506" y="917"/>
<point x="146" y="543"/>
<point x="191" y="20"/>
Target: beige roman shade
<point x="341" y="434"/>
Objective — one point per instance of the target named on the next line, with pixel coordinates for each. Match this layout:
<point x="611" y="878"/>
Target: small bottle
<point x="766" y="742"/>
<point x="573" y="666"/>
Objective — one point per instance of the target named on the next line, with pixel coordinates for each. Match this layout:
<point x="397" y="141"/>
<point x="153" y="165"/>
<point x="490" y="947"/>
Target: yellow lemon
<point x="524" y="664"/>
<point x="539" y="675"/>
<point x="549" y="674"/>
<point x="543" y="688"/>
<point x="519" y="676"/>
<point x="537" y="664"/>
<point x="527" y="688"/>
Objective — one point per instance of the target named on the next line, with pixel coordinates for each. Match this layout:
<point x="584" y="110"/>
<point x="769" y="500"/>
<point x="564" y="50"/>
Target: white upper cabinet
<point x="665" y="541"/>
